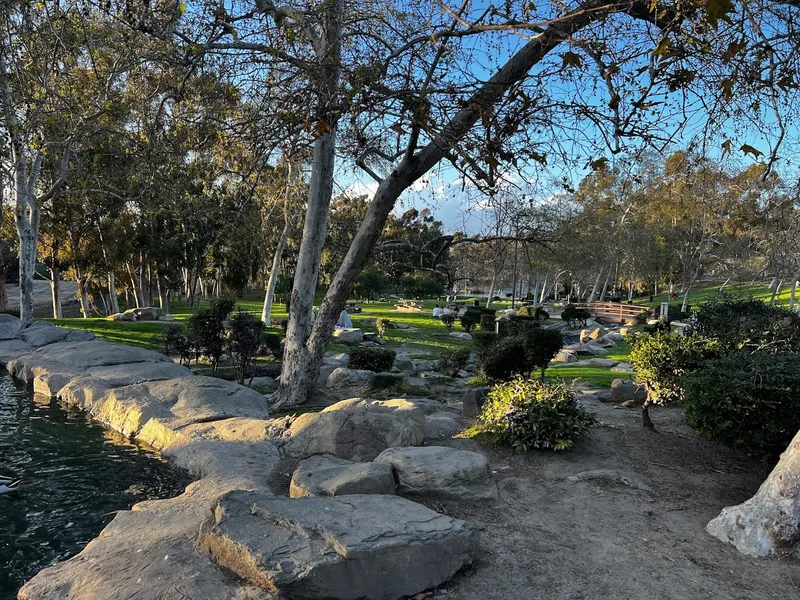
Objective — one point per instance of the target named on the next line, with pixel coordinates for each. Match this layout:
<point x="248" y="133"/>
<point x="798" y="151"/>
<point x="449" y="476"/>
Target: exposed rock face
<point x="768" y="524"/>
<point x="348" y="336"/>
<point x="423" y="365"/>
<point x="603" y="362"/>
<point x="441" y="425"/>
<point x="461" y="335"/>
<point x="473" y="401"/>
<point x="356" y="429"/>
<point x="10" y="327"/>
<point x="627" y="391"/>
<point x="327" y="475"/>
<point x="593" y="333"/>
<point x="42" y="333"/>
<point x="344" y="548"/>
<point x="623" y="367"/>
<point x="564" y="356"/>
<point x="441" y="472"/>
<point x="342" y="377"/>
<point x="10" y="349"/>
<point x="403" y="364"/>
<point x="145" y="554"/>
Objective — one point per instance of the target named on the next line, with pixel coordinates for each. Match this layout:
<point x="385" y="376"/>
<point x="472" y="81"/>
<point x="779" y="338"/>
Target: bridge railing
<point x="615" y="312"/>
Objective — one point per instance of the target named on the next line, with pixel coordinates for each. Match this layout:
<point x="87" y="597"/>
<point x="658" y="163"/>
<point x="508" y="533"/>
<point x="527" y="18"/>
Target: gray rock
<point x="373" y="337"/>
<point x="423" y="365"/>
<point x="602" y="362"/>
<point x="262" y="382"/>
<point x="461" y="335"/>
<point x="441" y="472"/>
<point x="355" y="429"/>
<point x="343" y="548"/>
<point x="120" y="375"/>
<point x="627" y="391"/>
<point x="564" y="356"/>
<point x="592" y="348"/>
<point x="327" y="475"/>
<point x="147" y="313"/>
<point x="592" y="333"/>
<point x="623" y="367"/>
<point x="768" y="524"/>
<point x="473" y="401"/>
<point x="348" y="336"/>
<point x="342" y="377"/>
<point x="441" y="425"/>
<point x="144" y="554"/>
<point x="324" y="373"/>
<point x="41" y="333"/>
<point x="337" y="360"/>
<point x="403" y="363"/>
<point x="12" y="348"/>
<point x="10" y="327"/>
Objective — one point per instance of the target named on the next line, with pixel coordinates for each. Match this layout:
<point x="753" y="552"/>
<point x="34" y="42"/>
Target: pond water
<point x="75" y="475"/>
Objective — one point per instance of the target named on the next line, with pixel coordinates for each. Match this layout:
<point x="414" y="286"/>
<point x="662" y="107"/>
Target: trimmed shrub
<point x="748" y="401"/>
<point x="453" y="361"/>
<point x="537" y="313"/>
<point x="661" y="360"/>
<point x="574" y="316"/>
<point x="749" y="323"/>
<point x="527" y="414"/>
<point x="271" y="345"/>
<point x="487" y="322"/>
<point x="541" y="346"/>
<point x="484" y="339"/>
<point x="471" y="318"/>
<point x="172" y="337"/>
<point x="379" y="360"/>
<point x="383" y="326"/>
<point x="207" y="328"/>
<point x="502" y="360"/>
<point x="517" y="325"/>
<point x="447" y="320"/>
<point x="245" y="338"/>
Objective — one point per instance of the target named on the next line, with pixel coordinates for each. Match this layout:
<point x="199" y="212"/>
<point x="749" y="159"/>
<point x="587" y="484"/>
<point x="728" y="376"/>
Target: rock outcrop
<point x="327" y="475"/>
<point x="441" y="472"/>
<point x="768" y="524"/>
<point x="356" y="429"/>
<point x="342" y="548"/>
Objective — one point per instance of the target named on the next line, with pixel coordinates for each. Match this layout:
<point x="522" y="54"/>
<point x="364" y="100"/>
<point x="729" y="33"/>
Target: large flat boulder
<point x="145" y="554"/>
<point x="348" y="336"/>
<point x="130" y="374"/>
<point x="10" y="349"/>
<point x="768" y="524"/>
<point x="355" y="429"/>
<point x="441" y="472"/>
<point x="10" y="327"/>
<point x="327" y="475"/>
<point x="342" y="377"/>
<point x="343" y="548"/>
<point x="81" y="355"/>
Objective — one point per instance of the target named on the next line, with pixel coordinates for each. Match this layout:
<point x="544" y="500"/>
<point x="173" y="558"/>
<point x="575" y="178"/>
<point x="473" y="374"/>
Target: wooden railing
<point x="612" y="312"/>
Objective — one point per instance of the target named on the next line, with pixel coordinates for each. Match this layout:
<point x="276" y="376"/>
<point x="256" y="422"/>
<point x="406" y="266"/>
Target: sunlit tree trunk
<point x="55" y="288"/>
<point x="273" y="274"/>
<point x="595" y="287"/>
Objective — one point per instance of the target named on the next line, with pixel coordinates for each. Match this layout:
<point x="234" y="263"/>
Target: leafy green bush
<point x="642" y="317"/>
<point x="272" y="345"/>
<point x="487" y="322"/>
<point x="517" y="325"/>
<point x="245" y="338"/>
<point x="379" y="360"/>
<point x="527" y="414"/>
<point x="749" y="401"/>
<point x="748" y="323"/>
<point x="537" y="313"/>
<point x="484" y="339"/>
<point x="541" y="346"/>
<point x="383" y="326"/>
<point x="207" y="328"/>
<point x="453" y="361"/>
<point x="471" y="318"/>
<point x="574" y="316"/>
<point x="447" y="320"/>
<point x="502" y="360"/>
<point x="661" y="361"/>
<point x="171" y="337"/>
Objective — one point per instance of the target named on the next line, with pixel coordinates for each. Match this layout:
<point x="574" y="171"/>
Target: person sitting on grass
<point x="344" y="321"/>
<point x="437" y="312"/>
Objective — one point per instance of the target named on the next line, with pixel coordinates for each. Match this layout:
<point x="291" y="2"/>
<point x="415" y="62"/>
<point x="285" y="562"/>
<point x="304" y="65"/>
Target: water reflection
<point x="75" y="475"/>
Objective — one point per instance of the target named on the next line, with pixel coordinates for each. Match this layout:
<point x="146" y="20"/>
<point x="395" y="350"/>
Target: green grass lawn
<point x="704" y="293"/>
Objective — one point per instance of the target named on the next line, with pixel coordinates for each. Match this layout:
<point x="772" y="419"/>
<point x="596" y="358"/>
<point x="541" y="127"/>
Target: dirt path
<point x="554" y="538"/>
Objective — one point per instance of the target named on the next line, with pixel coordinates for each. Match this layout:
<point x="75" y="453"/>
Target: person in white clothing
<point x="344" y="321"/>
<point x="437" y="312"/>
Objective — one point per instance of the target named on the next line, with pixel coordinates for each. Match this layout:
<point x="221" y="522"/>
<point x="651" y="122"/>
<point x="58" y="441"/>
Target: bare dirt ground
<point x="556" y="538"/>
<point x="43" y="299"/>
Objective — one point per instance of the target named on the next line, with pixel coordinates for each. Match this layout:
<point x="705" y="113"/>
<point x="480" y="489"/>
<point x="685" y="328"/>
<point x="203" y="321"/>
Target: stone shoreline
<point x="228" y="536"/>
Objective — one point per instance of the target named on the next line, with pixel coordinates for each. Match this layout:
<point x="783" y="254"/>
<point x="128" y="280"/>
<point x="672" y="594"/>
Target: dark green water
<point x="74" y="476"/>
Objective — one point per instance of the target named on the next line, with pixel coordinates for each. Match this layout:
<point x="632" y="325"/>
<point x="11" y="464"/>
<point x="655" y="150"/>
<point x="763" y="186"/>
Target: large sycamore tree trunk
<point x="306" y="343"/>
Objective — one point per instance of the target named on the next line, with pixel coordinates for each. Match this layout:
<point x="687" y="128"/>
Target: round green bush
<point x="748" y="401"/>
<point x="527" y="414"/>
<point x="502" y="360"/>
<point x="379" y="360"/>
<point x="452" y="361"/>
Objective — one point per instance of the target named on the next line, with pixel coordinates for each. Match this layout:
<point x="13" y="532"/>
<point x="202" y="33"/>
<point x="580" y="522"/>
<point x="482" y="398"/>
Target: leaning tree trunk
<point x="305" y="344"/>
<point x="112" y="292"/>
<point x="83" y="296"/>
<point x="685" y="305"/>
<point x="3" y="291"/>
<point x="593" y="295"/>
<point x="273" y="274"/>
